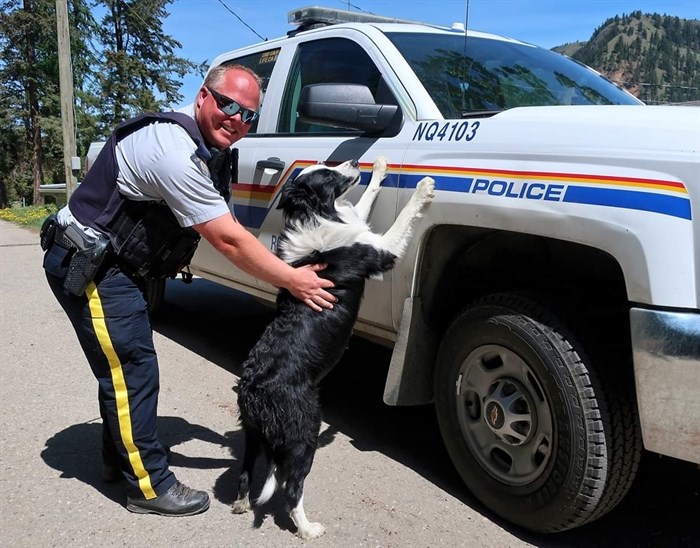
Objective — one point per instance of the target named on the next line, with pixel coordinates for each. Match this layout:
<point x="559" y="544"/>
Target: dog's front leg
<point x="396" y="239"/>
<point x="364" y="205"/>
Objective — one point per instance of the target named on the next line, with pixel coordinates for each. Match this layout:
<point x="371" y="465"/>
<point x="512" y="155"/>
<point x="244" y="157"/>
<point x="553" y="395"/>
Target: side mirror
<point x="349" y="106"/>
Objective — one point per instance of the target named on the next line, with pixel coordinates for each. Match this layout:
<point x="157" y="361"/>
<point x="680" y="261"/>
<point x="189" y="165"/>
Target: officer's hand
<point x="310" y="289"/>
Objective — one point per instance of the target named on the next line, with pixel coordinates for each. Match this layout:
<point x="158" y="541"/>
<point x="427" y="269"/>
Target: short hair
<point x="216" y="75"/>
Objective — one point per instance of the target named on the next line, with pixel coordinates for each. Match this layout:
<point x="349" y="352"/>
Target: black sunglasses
<point x="230" y="107"/>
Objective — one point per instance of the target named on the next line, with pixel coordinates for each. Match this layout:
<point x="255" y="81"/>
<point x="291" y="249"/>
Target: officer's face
<point x="220" y="129"/>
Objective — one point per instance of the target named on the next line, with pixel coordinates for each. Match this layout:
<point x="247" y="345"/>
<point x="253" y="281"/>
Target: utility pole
<point x="71" y="163"/>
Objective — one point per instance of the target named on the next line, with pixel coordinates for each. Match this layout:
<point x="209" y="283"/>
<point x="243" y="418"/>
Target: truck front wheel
<point x="525" y="420"/>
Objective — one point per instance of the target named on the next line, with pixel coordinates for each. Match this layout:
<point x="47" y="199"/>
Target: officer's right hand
<point x="310" y="289"/>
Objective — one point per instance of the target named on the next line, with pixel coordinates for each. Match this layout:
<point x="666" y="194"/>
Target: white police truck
<point x="548" y="306"/>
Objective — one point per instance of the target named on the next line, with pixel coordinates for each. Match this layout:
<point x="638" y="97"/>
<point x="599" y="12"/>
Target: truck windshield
<point x="483" y="76"/>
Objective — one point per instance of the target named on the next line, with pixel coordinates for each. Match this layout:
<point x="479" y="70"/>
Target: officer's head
<point x="227" y="104"/>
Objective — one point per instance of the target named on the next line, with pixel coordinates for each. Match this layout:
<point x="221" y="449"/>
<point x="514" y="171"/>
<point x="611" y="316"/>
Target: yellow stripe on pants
<point x="120" y="391"/>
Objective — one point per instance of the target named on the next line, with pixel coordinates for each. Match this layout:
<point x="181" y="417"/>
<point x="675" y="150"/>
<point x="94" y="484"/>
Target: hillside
<point x="655" y="57"/>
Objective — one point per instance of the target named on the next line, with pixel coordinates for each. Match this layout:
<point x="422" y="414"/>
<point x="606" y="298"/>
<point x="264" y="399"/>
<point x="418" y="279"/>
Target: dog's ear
<point x="296" y="195"/>
<point x="283" y="196"/>
<point x="287" y="195"/>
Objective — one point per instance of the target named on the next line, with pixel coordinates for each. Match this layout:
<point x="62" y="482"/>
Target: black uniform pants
<point x="114" y="330"/>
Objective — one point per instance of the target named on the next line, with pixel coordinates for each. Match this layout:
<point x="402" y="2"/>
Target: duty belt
<point x="61" y="239"/>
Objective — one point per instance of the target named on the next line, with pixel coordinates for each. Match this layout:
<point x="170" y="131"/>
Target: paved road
<point x="381" y="477"/>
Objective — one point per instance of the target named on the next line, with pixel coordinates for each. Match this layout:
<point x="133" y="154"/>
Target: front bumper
<point x="666" y="350"/>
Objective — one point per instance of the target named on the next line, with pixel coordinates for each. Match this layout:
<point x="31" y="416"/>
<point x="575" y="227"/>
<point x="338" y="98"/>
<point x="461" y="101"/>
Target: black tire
<point x="154" y="292"/>
<point x="526" y="421"/>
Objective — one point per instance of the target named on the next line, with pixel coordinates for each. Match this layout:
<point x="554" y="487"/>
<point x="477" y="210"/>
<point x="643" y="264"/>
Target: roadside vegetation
<point x="30" y="216"/>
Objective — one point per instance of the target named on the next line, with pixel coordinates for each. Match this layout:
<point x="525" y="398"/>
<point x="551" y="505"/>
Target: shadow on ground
<point x="221" y="325"/>
<point x="76" y="452"/>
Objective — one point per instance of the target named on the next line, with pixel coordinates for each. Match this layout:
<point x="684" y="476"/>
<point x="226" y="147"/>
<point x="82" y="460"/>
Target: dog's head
<point x="315" y="191"/>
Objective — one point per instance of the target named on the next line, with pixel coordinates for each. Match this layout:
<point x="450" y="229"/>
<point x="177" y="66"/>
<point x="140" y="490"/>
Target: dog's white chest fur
<point x="303" y="239"/>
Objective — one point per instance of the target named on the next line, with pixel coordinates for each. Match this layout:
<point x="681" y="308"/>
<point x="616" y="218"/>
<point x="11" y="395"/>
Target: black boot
<point x="179" y="500"/>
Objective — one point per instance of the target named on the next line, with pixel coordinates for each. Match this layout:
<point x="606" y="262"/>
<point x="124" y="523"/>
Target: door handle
<point x="270" y="163"/>
<point x="264" y="177"/>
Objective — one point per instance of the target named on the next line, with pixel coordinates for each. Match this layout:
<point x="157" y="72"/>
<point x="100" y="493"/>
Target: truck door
<point x="291" y="145"/>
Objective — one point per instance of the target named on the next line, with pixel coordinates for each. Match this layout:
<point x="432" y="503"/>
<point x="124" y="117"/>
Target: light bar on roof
<point x="316" y="15"/>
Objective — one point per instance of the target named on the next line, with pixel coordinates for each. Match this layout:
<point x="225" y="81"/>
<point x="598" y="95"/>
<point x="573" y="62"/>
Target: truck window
<point x="481" y="75"/>
<point x="262" y="64"/>
<point x="333" y="60"/>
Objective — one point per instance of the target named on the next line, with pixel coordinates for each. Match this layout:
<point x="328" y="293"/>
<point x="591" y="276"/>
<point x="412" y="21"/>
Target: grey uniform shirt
<point x="158" y="163"/>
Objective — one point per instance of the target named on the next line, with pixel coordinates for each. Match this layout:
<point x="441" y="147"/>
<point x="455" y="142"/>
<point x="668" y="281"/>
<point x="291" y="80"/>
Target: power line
<point x="241" y="20"/>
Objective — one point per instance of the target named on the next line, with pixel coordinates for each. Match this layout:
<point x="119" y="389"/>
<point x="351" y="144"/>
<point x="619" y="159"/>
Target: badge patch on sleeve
<point x="201" y="166"/>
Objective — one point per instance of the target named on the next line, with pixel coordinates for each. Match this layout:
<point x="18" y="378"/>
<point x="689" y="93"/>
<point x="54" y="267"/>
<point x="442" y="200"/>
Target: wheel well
<point x="462" y="264"/>
<point x="583" y="286"/>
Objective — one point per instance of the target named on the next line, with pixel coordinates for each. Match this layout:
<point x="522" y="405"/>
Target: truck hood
<point x="630" y="130"/>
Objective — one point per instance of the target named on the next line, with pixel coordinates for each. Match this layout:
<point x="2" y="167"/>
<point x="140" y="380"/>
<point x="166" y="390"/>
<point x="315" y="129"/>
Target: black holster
<point x="86" y="253"/>
<point x="87" y="256"/>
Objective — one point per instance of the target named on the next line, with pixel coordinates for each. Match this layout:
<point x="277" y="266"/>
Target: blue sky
<point x="206" y="28"/>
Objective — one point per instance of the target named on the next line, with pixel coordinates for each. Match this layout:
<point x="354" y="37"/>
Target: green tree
<point x="22" y="63"/>
<point x="140" y="65"/>
<point x="31" y="149"/>
<point x="137" y="70"/>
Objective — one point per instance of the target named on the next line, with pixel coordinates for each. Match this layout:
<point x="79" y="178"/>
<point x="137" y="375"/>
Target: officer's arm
<point x="244" y="250"/>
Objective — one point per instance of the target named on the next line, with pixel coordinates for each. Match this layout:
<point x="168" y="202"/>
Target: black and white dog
<point x="277" y="393"/>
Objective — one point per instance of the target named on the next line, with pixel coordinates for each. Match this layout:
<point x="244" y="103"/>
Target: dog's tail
<point x="270" y="486"/>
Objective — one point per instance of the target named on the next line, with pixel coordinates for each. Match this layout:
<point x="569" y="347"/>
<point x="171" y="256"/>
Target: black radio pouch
<point x="48" y="231"/>
<point x="150" y="242"/>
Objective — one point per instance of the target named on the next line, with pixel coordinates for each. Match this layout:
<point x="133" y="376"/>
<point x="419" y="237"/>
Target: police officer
<point x="156" y="186"/>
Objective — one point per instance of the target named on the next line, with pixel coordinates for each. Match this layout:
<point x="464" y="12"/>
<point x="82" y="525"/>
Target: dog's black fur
<point x="277" y="393"/>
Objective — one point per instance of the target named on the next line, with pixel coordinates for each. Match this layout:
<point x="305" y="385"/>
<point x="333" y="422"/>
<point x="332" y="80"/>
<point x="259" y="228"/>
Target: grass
<point x="30" y="216"/>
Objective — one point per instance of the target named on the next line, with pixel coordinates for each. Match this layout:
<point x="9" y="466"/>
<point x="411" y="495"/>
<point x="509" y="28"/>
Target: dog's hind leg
<point x="252" y="448"/>
<point x="294" y="493"/>
<point x="395" y="240"/>
<point x="305" y="528"/>
<point x="364" y="205"/>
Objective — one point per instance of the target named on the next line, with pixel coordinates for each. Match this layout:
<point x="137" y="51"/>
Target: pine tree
<point x="31" y="151"/>
<point x="29" y="95"/>
<point x="140" y="64"/>
<point x="138" y="70"/>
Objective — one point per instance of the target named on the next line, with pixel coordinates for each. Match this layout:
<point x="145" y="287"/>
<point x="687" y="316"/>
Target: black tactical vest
<point x="145" y="235"/>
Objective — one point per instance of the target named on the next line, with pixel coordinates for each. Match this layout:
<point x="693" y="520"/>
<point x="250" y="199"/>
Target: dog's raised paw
<point x="380" y="166"/>
<point x="312" y="530"/>
<point x="425" y="189"/>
